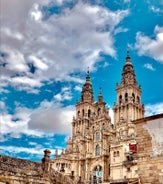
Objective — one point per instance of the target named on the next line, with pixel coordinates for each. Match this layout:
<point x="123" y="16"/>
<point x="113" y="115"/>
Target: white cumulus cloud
<point x="151" y="47"/>
<point x="52" y="118"/>
<point x="155" y="9"/>
<point x="65" y="94"/>
<point x="17" y="124"/>
<point x="48" y="119"/>
<point x="149" y="66"/>
<point x="45" y="47"/>
<point x="152" y="109"/>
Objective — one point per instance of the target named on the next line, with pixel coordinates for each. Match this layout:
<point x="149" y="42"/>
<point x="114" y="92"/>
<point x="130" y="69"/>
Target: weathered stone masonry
<point x="20" y="171"/>
<point x="150" y="149"/>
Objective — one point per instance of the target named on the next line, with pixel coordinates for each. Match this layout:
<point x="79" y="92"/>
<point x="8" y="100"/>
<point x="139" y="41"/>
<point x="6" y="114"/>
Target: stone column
<point x="46" y="160"/>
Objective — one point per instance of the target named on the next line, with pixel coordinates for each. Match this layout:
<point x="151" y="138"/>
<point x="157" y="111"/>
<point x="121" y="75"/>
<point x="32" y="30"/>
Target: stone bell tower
<point x="84" y="108"/>
<point x="128" y="104"/>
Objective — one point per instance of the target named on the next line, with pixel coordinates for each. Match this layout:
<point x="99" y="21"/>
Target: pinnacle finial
<point x="100" y="97"/>
<point x="88" y="76"/>
<point x="128" y="53"/>
<point x="88" y="71"/>
<point x="128" y="57"/>
<point x="100" y="90"/>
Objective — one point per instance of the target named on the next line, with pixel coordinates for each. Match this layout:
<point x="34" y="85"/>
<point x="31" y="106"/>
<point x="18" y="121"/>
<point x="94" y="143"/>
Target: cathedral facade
<point x="98" y="150"/>
<point x="129" y="151"/>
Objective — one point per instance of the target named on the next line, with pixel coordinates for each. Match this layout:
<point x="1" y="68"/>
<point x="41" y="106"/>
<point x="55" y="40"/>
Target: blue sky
<point x="46" y="48"/>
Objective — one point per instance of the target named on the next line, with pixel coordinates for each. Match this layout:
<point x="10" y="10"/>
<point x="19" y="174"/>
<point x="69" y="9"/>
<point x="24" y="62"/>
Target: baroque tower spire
<point x="128" y="101"/>
<point x="100" y="96"/>
<point x="87" y="91"/>
<point x="128" y="74"/>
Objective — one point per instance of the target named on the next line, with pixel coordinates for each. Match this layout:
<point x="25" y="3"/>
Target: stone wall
<point x="19" y="171"/>
<point x="17" y="165"/>
<point x="150" y="149"/>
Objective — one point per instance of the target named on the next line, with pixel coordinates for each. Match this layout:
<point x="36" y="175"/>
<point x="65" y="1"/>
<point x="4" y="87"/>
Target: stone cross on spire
<point x="100" y="97"/>
<point x="128" y="58"/>
<point x="88" y="71"/>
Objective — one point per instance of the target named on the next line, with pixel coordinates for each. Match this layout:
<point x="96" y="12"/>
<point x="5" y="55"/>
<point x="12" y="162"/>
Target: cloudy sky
<point x="46" y="48"/>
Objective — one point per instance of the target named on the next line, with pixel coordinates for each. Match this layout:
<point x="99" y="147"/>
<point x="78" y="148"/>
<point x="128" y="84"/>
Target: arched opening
<point x="138" y="99"/>
<point x="96" y="175"/>
<point x="83" y="112"/>
<point x="97" y="136"/>
<point x="126" y="97"/>
<point x="120" y="99"/>
<point x="98" y="168"/>
<point x="114" y="154"/>
<point x="117" y="153"/>
<point x="89" y="113"/>
<point x="97" y="150"/>
<point x="133" y="97"/>
<point x="98" y="171"/>
<point x="103" y="126"/>
<point x="99" y="111"/>
<point x="78" y="113"/>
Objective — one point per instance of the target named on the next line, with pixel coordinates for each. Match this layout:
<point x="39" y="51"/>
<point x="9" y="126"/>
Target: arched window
<point x="138" y="99"/>
<point x="103" y="126"/>
<point x="126" y="97"/>
<point x="99" y="111"/>
<point x="78" y="113"/>
<point x="117" y="153"/>
<point x="97" y="151"/>
<point x="83" y="112"/>
<point x="93" y="128"/>
<point x="98" y="168"/>
<point x="89" y="113"/>
<point x="120" y="99"/>
<point x="133" y="97"/>
<point x="114" y="153"/>
<point x="97" y="136"/>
